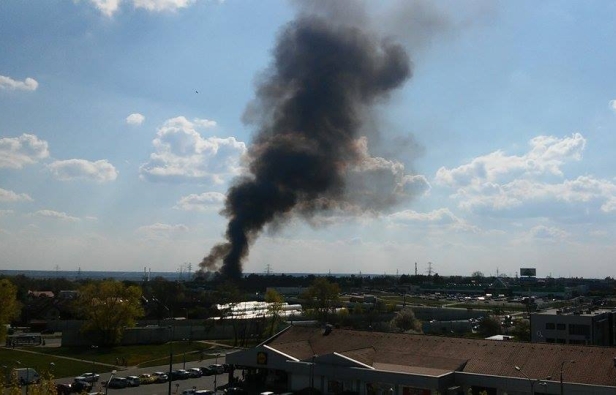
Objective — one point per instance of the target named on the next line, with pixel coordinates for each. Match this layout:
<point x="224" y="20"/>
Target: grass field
<point x="69" y="362"/>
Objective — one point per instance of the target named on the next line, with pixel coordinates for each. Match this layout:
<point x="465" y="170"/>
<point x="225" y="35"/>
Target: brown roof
<point x="415" y="353"/>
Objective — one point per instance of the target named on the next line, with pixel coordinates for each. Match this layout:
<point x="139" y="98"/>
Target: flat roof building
<point x="576" y="325"/>
<point x="333" y="361"/>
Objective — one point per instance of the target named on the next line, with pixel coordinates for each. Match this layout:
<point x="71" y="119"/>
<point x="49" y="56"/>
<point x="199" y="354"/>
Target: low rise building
<point x="334" y="361"/>
<point x="576" y="325"/>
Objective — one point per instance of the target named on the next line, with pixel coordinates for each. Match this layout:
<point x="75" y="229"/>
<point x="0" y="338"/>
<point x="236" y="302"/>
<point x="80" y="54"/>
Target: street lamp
<point x="531" y="381"/>
<point x="113" y="372"/>
<point x="562" y="365"/>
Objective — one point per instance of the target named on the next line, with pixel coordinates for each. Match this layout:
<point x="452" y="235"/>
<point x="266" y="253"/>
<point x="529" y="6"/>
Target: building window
<point x="581" y="330"/>
<point x="549" y="325"/>
<point x="561" y="327"/>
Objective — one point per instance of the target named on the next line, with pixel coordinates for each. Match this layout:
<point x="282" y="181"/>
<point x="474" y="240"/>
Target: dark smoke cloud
<point x="308" y="115"/>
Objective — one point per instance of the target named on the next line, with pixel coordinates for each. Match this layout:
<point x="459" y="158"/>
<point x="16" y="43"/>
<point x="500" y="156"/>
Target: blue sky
<point x="121" y="130"/>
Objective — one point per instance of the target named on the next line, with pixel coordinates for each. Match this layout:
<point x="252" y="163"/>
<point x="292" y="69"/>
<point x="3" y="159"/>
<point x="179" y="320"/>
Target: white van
<point x="27" y="376"/>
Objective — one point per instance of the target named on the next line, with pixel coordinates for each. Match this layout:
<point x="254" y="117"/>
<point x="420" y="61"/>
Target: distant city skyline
<point x="124" y="122"/>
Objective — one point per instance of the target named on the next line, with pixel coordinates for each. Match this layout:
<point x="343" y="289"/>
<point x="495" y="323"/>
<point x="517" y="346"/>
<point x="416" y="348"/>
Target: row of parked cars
<point x="163" y="377"/>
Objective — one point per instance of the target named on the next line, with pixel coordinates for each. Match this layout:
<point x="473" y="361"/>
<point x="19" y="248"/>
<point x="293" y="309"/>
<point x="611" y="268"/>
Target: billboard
<point x="528" y="272"/>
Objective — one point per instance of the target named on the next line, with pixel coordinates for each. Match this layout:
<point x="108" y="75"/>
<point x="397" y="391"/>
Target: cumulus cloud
<point x="10" y="196"/>
<point x="57" y="215"/>
<point x="547" y="154"/>
<point x="109" y="7"/>
<point x="613" y="105"/>
<point x="135" y="119"/>
<point x="72" y="169"/>
<point x="181" y="154"/>
<point x="203" y="202"/>
<point x="533" y="184"/>
<point x="7" y="83"/>
<point x="15" y="152"/>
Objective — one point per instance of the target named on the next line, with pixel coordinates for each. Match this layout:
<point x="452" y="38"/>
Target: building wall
<point x="569" y="328"/>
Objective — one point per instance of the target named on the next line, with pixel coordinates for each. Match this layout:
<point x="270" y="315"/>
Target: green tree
<point x="322" y="297"/>
<point x="109" y="307"/>
<point x="490" y="326"/>
<point x="275" y="301"/>
<point x="405" y="320"/>
<point x="9" y="308"/>
<point x="521" y="330"/>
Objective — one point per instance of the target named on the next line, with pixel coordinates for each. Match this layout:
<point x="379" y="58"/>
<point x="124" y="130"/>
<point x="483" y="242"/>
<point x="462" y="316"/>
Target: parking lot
<point x="177" y="386"/>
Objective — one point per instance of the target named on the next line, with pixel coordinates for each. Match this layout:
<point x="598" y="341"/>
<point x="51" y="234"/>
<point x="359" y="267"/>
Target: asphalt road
<point x="201" y="383"/>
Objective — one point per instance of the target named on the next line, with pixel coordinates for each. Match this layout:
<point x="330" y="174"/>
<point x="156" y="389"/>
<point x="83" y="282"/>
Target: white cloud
<point x="51" y="214"/>
<point x="109" y="7"/>
<point x="71" y="169"/>
<point x="29" y="84"/>
<point x="135" y="119"/>
<point x="205" y="123"/>
<point x="613" y="105"/>
<point x="5" y="212"/>
<point x="546" y="157"/>
<point x="499" y="183"/>
<point x="10" y="196"/>
<point x="15" y="152"/>
<point x="203" y="202"/>
<point x="181" y="154"/>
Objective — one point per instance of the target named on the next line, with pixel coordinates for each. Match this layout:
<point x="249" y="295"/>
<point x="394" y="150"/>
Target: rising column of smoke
<point x="308" y="106"/>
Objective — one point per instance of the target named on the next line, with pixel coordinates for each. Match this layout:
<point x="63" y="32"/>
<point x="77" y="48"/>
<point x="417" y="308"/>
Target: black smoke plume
<point x="308" y="109"/>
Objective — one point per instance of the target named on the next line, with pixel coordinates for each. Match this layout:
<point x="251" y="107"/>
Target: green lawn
<point x="98" y="359"/>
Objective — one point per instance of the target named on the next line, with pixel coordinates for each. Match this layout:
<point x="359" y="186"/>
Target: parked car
<point x="117" y="382"/>
<point x="227" y="367"/>
<point x="218" y="368"/>
<point x="160" y="377"/>
<point x="204" y="392"/>
<point x="80" y="386"/>
<point x="236" y="391"/>
<point x="63" y="389"/>
<point x="194" y="372"/>
<point x="146" y="378"/>
<point x="88" y="377"/>
<point x="207" y="371"/>
<point x="133" y="381"/>
<point x="180" y="374"/>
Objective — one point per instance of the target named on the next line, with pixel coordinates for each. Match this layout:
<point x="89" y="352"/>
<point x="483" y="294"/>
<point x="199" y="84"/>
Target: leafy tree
<point x="405" y="320"/>
<point x="521" y="330"/>
<point x="490" y="326"/>
<point x="275" y="300"/>
<point x="323" y="297"/>
<point x="10" y="307"/>
<point x="108" y="307"/>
